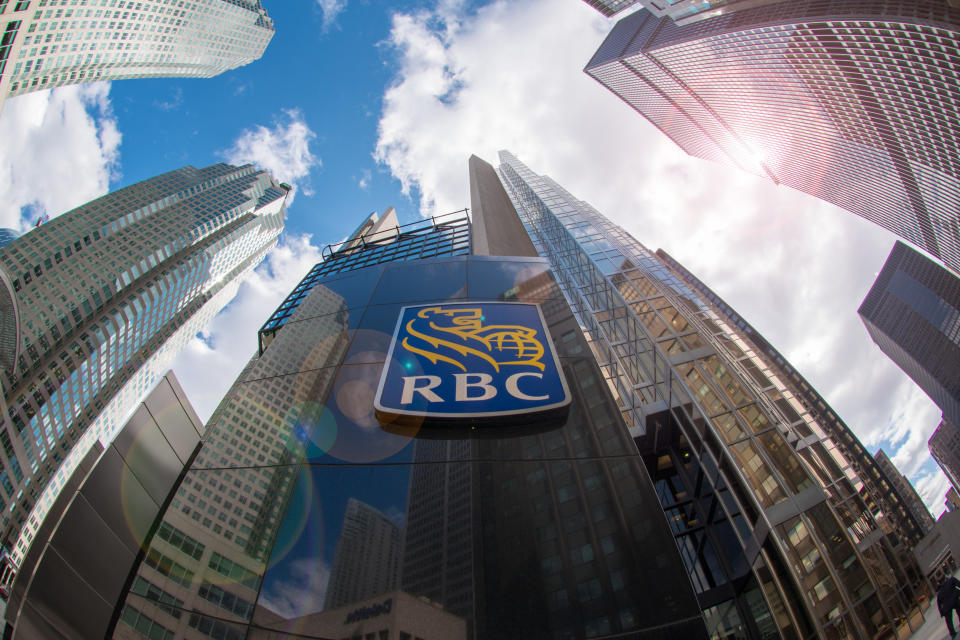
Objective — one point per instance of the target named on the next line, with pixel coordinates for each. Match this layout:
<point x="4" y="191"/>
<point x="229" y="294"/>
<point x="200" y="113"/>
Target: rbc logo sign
<point x="471" y="360"/>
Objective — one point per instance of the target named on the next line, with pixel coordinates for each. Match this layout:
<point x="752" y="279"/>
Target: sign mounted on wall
<point x="471" y="361"/>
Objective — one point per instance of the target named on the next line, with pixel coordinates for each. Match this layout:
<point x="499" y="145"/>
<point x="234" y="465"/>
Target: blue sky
<point x="328" y="75"/>
<point x="363" y="104"/>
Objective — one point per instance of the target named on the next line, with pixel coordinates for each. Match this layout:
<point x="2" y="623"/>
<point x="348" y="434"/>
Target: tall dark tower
<point x="912" y="312"/>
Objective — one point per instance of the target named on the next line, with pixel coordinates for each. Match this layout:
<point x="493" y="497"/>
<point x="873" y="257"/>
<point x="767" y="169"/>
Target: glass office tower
<point x="51" y="43"/>
<point x="680" y="11"/>
<point x="97" y="302"/>
<point x="685" y="493"/>
<point x="912" y="312"/>
<point x="895" y="516"/>
<point x="855" y="103"/>
<point x="944" y="446"/>
<point x="776" y="528"/>
<point x="906" y="493"/>
<point x="548" y="529"/>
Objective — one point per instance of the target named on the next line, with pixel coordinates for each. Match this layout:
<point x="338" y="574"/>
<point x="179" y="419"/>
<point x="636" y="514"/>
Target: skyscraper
<point x="51" y="43"/>
<point x="895" y="516"/>
<point x="684" y="492"/>
<point x="853" y="103"/>
<point x="536" y="529"/>
<point x="774" y="524"/>
<point x="906" y="492"/>
<point x="680" y="11"/>
<point x="366" y="562"/>
<point x="96" y="304"/>
<point x="944" y="446"/>
<point x="912" y="312"/>
<point x="610" y="7"/>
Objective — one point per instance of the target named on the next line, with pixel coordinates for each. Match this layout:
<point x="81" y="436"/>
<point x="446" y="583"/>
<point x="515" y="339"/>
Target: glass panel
<point x="701" y="389"/>
<point x="510" y="280"/>
<point x="725" y="380"/>
<point x="757" y="472"/>
<point x="362" y="548"/>
<point x="436" y="280"/>
<point x="785" y="460"/>
<point x="729" y="427"/>
<point x="755" y="418"/>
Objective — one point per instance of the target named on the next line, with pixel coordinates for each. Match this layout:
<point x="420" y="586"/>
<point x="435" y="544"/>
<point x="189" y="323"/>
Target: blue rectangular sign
<point x="471" y="360"/>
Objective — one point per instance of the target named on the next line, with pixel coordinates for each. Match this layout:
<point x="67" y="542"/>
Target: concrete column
<point x="497" y="230"/>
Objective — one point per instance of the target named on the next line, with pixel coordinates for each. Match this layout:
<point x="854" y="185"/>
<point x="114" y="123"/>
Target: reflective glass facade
<point x="906" y="494"/>
<point x="51" y="43"/>
<point x="912" y="312"/>
<point x="944" y="446"/>
<point x="98" y="301"/>
<point x="853" y="102"/>
<point x="774" y="524"/>
<point x="445" y="235"/>
<point x="893" y="511"/>
<point x="610" y="7"/>
<point x="286" y="522"/>
<point x="680" y="11"/>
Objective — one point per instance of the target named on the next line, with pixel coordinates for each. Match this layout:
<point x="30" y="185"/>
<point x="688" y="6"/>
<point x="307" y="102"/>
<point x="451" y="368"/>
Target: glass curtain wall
<point x="765" y="510"/>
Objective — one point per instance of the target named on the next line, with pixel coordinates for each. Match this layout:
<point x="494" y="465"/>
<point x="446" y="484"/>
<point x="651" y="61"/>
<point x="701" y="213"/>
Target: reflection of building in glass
<point x="770" y="516"/>
<point x="96" y="304"/>
<point x="554" y="526"/>
<point x="855" y="103"/>
<point x="6" y="235"/>
<point x="944" y="446"/>
<point x="438" y="561"/>
<point x="912" y="312"/>
<point x="905" y="492"/>
<point x="893" y="513"/>
<point x="203" y="569"/>
<point x="367" y="560"/>
<point x="45" y="45"/>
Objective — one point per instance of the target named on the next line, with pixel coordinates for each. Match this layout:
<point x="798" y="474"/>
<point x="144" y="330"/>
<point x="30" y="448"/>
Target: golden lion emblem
<point x="462" y="331"/>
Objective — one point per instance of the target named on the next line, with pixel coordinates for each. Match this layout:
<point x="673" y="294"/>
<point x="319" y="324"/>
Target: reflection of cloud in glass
<point x="322" y="431"/>
<point x="302" y="521"/>
<point x="396" y="515"/>
<point x="351" y="403"/>
<point x="355" y="399"/>
<point x="300" y="591"/>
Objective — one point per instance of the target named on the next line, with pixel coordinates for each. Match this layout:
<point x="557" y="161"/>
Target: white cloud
<point x="932" y="487"/>
<point x="211" y="361"/>
<point x="364" y="181"/>
<point x="175" y="101"/>
<point x="60" y="149"/>
<point x="509" y="76"/>
<point x="301" y="591"/>
<point x="330" y="10"/>
<point x="283" y="150"/>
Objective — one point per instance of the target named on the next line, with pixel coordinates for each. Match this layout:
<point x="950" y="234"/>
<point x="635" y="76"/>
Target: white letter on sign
<point x="483" y="381"/>
<point x="410" y="387"/>
<point x="514" y="390"/>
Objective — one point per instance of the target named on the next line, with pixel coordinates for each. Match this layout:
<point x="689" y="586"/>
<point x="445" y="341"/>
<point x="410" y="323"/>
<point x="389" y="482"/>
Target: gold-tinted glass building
<point x="780" y="534"/>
